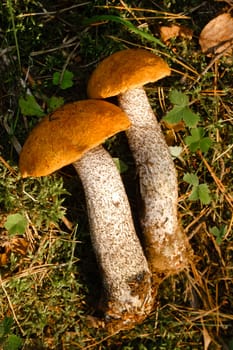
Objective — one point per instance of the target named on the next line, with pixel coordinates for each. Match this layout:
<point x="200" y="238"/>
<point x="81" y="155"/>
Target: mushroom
<point x="73" y="134"/>
<point x="124" y="73"/>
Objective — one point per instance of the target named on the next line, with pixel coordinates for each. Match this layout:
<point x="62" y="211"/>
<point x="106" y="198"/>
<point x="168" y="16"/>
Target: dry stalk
<point x="219" y="184"/>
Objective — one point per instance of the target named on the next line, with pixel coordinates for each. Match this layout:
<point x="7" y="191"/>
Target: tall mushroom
<point x="73" y="134"/>
<point x="124" y="73"/>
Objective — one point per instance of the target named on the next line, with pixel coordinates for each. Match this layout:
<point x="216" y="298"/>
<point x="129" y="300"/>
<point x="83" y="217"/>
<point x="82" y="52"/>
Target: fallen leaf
<point x="170" y="131"/>
<point x="19" y="245"/>
<point x="5" y="253"/>
<point x="16" y="244"/>
<point x="217" y="35"/>
<point x="3" y="259"/>
<point x="174" y="31"/>
<point x="180" y="126"/>
<point x="186" y="32"/>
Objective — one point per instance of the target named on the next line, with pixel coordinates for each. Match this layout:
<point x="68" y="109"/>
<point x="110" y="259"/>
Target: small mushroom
<point x="73" y="134"/>
<point x="124" y="73"/>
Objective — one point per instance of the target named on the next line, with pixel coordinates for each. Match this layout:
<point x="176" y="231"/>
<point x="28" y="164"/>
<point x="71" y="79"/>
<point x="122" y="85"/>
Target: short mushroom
<point x="124" y="73"/>
<point x="73" y="134"/>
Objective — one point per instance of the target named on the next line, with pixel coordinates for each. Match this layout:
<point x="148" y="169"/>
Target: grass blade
<point x="125" y="23"/>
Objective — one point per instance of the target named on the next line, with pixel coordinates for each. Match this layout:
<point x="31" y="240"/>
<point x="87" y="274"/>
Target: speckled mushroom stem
<point x="166" y="245"/>
<point x="123" y="266"/>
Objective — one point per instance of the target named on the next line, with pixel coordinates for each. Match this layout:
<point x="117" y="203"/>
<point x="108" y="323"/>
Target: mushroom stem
<point x="166" y="245"/>
<point x="123" y="266"/>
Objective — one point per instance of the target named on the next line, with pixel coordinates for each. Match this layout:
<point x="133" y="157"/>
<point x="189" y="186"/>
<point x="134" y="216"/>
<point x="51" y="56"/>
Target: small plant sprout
<point x="219" y="233"/>
<point x="54" y="102"/>
<point x="124" y="73"/>
<point x="181" y="110"/>
<point x="197" y="140"/>
<point x="73" y="134"/>
<point x="64" y="80"/>
<point x="29" y="106"/>
<point x="8" y="340"/>
<point x="16" y="224"/>
<point x="198" y="191"/>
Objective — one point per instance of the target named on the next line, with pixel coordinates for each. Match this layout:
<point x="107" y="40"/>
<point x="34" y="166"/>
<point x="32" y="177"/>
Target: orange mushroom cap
<point x="66" y="134"/>
<point x="124" y="70"/>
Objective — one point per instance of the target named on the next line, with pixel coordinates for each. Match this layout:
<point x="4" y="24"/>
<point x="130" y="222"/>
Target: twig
<point x="160" y="14"/>
<point x="70" y="56"/>
<point x="58" y="48"/>
<point x="212" y="62"/>
<point x="125" y="6"/>
<point x="11" y="170"/>
<point x="34" y="270"/>
<point x="100" y="341"/>
<point x="11" y="307"/>
<point x="49" y="13"/>
<point x="229" y="229"/>
<point x="204" y="212"/>
<point x="223" y="153"/>
<point x="220" y="185"/>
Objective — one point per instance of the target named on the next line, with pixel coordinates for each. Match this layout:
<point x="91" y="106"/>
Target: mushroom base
<point x="166" y="246"/>
<point x="128" y="294"/>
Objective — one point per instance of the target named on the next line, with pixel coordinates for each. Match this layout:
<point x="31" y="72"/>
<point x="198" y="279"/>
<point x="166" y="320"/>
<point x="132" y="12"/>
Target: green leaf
<point x="197" y="141"/>
<point x="190" y="139"/>
<point x="13" y="342"/>
<point x="121" y="166"/>
<point x="30" y="107"/>
<point x="194" y="146"/>
<point x="205" y="144"/>
<point x="199" y="191"/>
<point x="56" y="78"/>
<point x="216" y="232"/>
<point x="174" y="115"/>
<point x="16" y="224"/>
<point x="219" y="233"/>
<point x="5" y="326"/>
<point x="197" y="133"/>
<point x="55" y="102"/>
<point x="203" y="193"/>
<point x="178" y="98"/>
<point x="181" y="110"/>
<point x="191" y="179"/>
<point x="193" y="141"/>
<point x="190" y="118"/>
<point x="219" y="240"/>
<point x="195" y="136"/>
<point x="65" y="81"/>
<point x="194" y="196"/>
